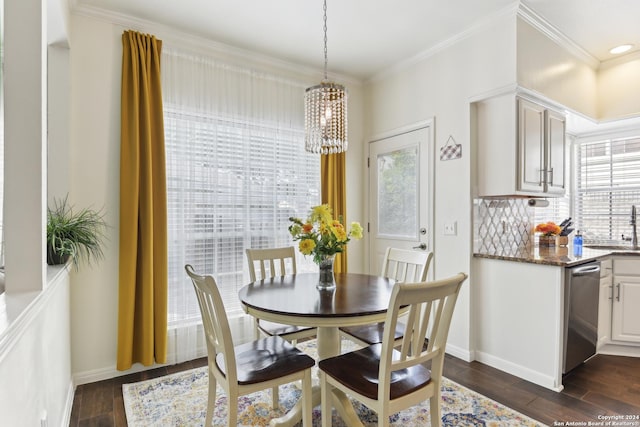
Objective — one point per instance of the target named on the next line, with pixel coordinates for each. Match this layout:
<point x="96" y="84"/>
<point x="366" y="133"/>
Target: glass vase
<point x="326" y="279"/>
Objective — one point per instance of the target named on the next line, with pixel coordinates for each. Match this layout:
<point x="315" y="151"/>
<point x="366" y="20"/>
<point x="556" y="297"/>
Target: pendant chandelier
<point x="325" y="117"/>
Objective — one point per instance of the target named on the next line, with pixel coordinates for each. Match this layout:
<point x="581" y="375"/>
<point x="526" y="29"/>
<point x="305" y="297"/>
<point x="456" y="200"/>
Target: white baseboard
<point x="519" y="371"/>
<point x="619" y="350"/>
<point x="460" y="353"/>
<point x="68" y="407"/>
<point x="107" y="373"/>
<point x="241" y="331"/>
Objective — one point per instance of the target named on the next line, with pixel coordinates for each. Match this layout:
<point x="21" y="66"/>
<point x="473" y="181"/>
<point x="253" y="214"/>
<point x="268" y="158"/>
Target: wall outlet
<point x="450" y="228"/>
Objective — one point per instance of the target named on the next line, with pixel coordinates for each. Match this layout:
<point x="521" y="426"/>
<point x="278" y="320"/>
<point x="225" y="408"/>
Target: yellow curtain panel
<point x="142" y="316"/>
<point x="333" y="188"/>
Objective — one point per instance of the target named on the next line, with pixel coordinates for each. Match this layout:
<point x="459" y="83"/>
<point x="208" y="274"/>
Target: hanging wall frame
<point x="450" y="150"/>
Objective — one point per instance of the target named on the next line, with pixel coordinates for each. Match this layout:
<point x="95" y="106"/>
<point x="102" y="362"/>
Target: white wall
<point x="35" y="358"/>
<point x="96" y="55"/>
<point x="35" y="368"/>
<point x="619" y="89"/>
<point x="519" y="328"/>
<point x="546" y="67"/>
<point x="441" y="86"/>
<point x="25" y="142"/>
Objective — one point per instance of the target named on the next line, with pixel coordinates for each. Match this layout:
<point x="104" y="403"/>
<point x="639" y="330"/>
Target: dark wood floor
<point x="605" y="385"/>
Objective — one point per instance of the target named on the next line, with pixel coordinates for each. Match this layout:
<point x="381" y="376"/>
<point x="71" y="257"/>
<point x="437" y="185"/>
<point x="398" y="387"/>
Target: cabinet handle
<point x="542" y="175"/>
<point x="611" y="297"/>
<point x="618" y="296"/>
<point x="550" y="174"/>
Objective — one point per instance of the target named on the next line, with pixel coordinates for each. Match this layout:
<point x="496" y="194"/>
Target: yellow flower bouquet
<point x="321" y="235"/>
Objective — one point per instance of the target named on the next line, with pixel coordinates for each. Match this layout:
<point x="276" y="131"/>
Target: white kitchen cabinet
<point x="555" y="129"/>
<point x="604" y="305"/>
<point x="625" y="316"/>
<point x="521" y="147"/>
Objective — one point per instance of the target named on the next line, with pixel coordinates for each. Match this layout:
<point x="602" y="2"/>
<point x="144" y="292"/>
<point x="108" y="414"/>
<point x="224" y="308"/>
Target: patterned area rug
<point x="181" y="400"/>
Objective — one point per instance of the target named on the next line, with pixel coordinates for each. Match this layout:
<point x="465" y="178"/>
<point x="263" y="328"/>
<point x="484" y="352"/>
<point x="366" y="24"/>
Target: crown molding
<point x="425" y="54"/>
<point x="619" y="60"/>
<point x="539" y="23"/>
<point x="201" y="44"/>
<point x="516" y="9"/>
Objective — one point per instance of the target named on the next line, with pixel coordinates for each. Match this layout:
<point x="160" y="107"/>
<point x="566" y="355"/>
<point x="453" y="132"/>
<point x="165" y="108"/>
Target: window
<point x="607" y="184"/>
<point x="233" y="177"/>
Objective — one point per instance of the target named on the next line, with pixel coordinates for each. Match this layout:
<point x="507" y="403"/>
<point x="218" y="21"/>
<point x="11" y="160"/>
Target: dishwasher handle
<point x="587" y="269"/>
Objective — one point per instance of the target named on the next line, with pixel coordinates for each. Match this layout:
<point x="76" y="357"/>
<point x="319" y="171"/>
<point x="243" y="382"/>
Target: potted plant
<point x="74" y="234"/>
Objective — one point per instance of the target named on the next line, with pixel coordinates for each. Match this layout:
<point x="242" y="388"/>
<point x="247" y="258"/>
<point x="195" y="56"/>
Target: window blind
<point x="607" y="184"/>
<point x="231" y="185"/>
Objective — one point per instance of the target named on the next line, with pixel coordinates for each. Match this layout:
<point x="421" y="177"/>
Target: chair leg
<point x="211" y="401"/>
<point x="434" y="408"/>
<point x="383" y="418"/>
<point x="307" y="417"/>
<point x="275" y="398"/>
<point x="325" y="398"/>
<point x="232" y="409"/>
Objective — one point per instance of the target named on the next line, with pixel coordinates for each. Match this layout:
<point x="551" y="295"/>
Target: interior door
<point x="401" y="201"/>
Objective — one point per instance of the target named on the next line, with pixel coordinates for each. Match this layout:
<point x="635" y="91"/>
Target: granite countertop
<point x="562" y="256"/>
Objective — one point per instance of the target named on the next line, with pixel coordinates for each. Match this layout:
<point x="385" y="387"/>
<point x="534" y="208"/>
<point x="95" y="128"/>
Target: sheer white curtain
<point x="236" y="171"/>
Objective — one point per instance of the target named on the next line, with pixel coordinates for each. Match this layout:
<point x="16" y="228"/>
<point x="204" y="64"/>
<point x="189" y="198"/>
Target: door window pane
<point x="398" y="193"/>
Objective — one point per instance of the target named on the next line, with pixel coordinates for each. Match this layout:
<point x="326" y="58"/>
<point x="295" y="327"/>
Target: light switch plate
<point x="450" y="228"/>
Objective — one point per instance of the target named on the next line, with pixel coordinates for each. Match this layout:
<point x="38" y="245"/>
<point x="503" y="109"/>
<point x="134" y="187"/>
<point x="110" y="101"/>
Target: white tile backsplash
<point x="501" y="225"/>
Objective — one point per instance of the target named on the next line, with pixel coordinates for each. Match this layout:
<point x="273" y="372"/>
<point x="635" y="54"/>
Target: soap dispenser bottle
<point x="577" y="244"/>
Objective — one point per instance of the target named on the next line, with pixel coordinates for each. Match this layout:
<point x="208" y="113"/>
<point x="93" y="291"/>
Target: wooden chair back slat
<point x="271" y="262"/>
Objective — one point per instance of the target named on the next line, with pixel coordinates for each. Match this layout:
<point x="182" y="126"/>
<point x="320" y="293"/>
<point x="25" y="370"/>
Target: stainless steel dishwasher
<point x="581" y="296"/>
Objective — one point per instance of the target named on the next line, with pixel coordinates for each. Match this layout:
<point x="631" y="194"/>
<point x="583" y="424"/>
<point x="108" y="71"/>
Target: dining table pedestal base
<point x="328" y="343"/>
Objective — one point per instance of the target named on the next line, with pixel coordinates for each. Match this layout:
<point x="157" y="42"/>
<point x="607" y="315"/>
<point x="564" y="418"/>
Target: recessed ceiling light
<point x="621" y="49"/>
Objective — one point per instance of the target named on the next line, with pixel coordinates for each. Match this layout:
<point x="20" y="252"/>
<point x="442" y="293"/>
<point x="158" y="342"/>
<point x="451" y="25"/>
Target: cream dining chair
<point x="265" y="363"/>
<point x="389" y="380"/>
<point x="401" y="265"/>
<point x="267" y="264"/>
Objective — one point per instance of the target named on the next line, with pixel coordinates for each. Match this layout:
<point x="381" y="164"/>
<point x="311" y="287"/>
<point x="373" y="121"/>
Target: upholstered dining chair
<point x="265" y="363"/>
<point x="401" y="265"/>
<point x="389" y="380"/>
<point x="267" y="264"/>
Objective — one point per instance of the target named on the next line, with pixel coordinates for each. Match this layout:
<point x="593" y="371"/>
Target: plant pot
<point x="54" y="258"/>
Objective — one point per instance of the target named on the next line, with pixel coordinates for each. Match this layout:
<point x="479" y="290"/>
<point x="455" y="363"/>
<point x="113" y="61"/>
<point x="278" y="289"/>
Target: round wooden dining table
<point x="357" y="299"/>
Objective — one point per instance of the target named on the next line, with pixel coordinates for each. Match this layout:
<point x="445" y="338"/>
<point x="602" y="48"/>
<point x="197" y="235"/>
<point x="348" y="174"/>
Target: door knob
<point x="422" y="246"/>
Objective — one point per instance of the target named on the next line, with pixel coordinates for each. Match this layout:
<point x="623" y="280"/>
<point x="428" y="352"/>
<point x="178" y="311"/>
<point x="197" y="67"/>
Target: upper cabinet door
<point x="556" y="131"/>
<point x="531" y="146"/>
<point x="521" y="147"/>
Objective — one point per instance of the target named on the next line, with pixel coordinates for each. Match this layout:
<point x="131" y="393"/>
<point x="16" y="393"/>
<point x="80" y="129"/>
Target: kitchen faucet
<point x="634" y="234"/>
